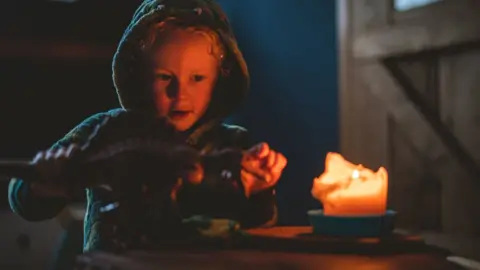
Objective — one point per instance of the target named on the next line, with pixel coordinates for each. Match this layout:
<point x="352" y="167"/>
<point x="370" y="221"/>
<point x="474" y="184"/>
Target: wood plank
<point x="457" y="183"/>
<point x="370" y="14"/>
<point x="361" y="141"/>
<point x="466" y="246"/>
<point x="410" y="174"/>
<point x="283" y="251"/>
<point x="459" y="87"/>
<point x="464" y="262"/>
<point x="261" y="260"/>
<point x="274" y="256"/>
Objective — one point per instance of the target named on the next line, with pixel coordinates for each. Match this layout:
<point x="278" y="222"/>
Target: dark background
<point x="55" y="70"/>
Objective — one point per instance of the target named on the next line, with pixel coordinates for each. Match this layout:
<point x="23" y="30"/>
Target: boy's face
<point x="185" y="72"/>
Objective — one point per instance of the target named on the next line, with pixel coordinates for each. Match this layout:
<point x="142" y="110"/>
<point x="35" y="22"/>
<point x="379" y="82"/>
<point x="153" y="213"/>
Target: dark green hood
<point x="127" y="72"/>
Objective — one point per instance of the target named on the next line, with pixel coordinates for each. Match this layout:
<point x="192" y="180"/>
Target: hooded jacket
<point x="212" y="198"/>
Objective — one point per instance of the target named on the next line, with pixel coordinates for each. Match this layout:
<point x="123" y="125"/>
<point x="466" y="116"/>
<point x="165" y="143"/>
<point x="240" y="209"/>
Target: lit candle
<point x="346" y="189"/>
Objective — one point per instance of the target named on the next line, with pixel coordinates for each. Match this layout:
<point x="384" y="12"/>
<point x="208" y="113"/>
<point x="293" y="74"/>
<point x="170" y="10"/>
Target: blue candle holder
<point x="352" y="226"/>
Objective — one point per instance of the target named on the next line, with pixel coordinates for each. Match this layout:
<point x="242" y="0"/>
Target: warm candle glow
<point x="348" y="189"/>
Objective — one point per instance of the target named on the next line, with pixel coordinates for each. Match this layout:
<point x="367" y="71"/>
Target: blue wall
<point x="290" y="48"/>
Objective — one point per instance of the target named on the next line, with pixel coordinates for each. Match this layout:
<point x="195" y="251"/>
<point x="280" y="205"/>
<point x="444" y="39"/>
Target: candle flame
<point x="355" y="174"/>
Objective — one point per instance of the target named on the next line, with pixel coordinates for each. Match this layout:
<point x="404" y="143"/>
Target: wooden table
<point x="287" y="248"/>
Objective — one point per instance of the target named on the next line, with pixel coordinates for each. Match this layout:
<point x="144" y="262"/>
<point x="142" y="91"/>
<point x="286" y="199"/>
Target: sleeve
<point x="35" y="208"/>
<point x="221" y="194"/>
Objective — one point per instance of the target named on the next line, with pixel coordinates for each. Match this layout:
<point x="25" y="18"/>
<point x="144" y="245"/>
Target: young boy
<point x="178" y="60"/>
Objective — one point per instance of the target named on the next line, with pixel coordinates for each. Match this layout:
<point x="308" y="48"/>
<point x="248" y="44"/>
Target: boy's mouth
<point x="179" y="115"/>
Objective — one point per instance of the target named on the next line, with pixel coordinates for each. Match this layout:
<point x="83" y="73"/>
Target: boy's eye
<point x="163" y="76"/>
<point x="198" y="78"/>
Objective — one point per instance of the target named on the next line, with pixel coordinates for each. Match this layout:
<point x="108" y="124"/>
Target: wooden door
<point x="410" y="100"/>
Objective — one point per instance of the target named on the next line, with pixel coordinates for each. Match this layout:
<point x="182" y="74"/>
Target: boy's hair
<point x="158" y="31"/>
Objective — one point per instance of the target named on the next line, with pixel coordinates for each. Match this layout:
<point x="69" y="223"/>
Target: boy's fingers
<point x="280" y="163"/>
<point x="264" y="150"/>
<point x="261" y="150"/>
<point x="258" y="173"/>
<point x="271" y="159"/>
<point x="274" y="177"/>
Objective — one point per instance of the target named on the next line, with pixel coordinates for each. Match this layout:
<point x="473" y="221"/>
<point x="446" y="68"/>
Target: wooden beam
<point x="453" y="145"/>
<point x="404" y="38"/>
<point x="54" y="49"/>
<point x="344" y="29"/>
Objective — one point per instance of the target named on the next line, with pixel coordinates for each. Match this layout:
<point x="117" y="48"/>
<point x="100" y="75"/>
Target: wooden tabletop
<point x="287" y="248"/>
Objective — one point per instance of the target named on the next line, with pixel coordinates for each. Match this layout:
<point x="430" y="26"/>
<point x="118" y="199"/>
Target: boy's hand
<point x="261" y="168"/>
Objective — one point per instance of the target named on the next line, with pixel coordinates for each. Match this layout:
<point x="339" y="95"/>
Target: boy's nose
<point x="177" y="91"/>
<point x="182" y="92"/>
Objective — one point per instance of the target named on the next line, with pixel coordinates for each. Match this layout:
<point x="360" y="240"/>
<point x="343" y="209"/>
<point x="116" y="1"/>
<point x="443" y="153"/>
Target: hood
<point x="127" y="75"/>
